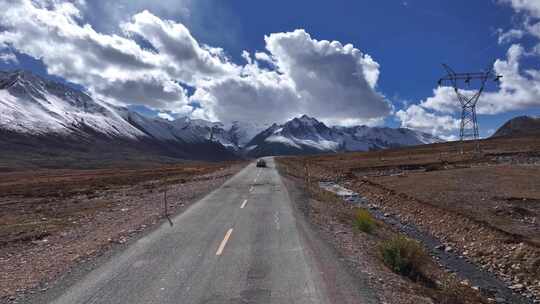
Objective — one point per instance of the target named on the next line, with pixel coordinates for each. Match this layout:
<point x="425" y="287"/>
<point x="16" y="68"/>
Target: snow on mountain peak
<point x="31" y="104"/>
<point x="34" y="105"/>
<point x="304" y="120"/>
<point x="307" y="135"/>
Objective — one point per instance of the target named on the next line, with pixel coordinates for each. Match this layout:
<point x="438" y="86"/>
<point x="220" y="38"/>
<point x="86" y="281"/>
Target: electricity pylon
<point x="469" y="124"/>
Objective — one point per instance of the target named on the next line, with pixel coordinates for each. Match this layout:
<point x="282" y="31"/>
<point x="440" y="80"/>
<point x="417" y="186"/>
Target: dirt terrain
<point x="50" y="220"/>
<point x="333" y="218"/>
<point x="484" y="207"/>
<point x="505" y="196"/>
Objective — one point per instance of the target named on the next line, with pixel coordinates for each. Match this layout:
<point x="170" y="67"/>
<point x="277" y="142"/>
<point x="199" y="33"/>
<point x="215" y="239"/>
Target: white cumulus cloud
<point x="324" y="79"/>
<point x="153" y="61"/>
<point x="510" y="35"/>
<point x="519" y="89"/>
<point x="105" y="14"/>
<point x="418" y="118"/>
<point x="531" y="7"/>
<point x="111" y="65"/>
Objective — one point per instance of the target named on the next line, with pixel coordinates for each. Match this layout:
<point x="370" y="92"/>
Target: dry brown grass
<point x="34" y="204"/>
<point x="498" y="188"/>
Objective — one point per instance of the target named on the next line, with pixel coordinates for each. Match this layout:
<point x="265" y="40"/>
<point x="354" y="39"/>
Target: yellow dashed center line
<point x="224" y="242"/>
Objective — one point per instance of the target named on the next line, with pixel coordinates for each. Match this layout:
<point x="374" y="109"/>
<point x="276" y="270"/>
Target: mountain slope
<point x="40" y="116"/>
<point x="30" y="104"/>
<point x="519" y="126"/>
<point x="306" y="135"/>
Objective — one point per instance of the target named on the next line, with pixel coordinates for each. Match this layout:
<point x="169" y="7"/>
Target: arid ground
<point x="484" y="207"/>
<point x="50" y="220"/>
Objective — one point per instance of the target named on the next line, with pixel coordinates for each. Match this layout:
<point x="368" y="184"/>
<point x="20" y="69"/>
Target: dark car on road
<point x="261" y="163"/>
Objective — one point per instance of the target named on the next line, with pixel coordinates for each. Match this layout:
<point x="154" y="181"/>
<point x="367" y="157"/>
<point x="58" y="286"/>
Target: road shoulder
<point x="341" y="284"/>
<point x="122" y="234"/>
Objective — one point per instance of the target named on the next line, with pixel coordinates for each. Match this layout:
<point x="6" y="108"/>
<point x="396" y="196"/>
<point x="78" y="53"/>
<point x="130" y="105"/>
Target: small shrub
<point x="404" y="256"/>
<point x="363" y="221"/>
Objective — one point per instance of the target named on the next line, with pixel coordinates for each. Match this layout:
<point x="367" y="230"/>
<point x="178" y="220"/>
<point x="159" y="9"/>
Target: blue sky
<point x="408" y="40"/>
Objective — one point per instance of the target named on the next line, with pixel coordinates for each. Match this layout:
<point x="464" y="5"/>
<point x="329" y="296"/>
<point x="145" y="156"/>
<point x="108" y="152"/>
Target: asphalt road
<point x="242" y="243"/>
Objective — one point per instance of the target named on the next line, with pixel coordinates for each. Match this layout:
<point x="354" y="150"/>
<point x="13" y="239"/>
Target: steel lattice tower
<point x="469" y="124"/>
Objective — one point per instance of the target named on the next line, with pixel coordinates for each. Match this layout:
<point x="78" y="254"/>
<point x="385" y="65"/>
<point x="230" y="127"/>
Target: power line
<point x="460" y="82"/>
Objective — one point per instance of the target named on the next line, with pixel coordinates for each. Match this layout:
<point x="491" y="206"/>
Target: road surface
<point x="242" y="243"/>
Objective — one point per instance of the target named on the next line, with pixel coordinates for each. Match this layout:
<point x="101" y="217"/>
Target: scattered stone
<point x="517" y="287"/>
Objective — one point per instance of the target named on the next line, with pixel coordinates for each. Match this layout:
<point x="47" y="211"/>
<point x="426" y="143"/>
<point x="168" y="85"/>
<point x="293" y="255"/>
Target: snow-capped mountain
<point x="42" y="115"/>
<point x="363" y="138"/>
<point x="33" y="109"/>
<point x="182" y="129"/>
<point x="30" y="104"/>
<point x="307" y="135"/>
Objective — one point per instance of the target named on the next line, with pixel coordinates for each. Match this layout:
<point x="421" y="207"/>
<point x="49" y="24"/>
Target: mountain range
<point x="40" y="116"/>
<point x="307" y="135"/>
